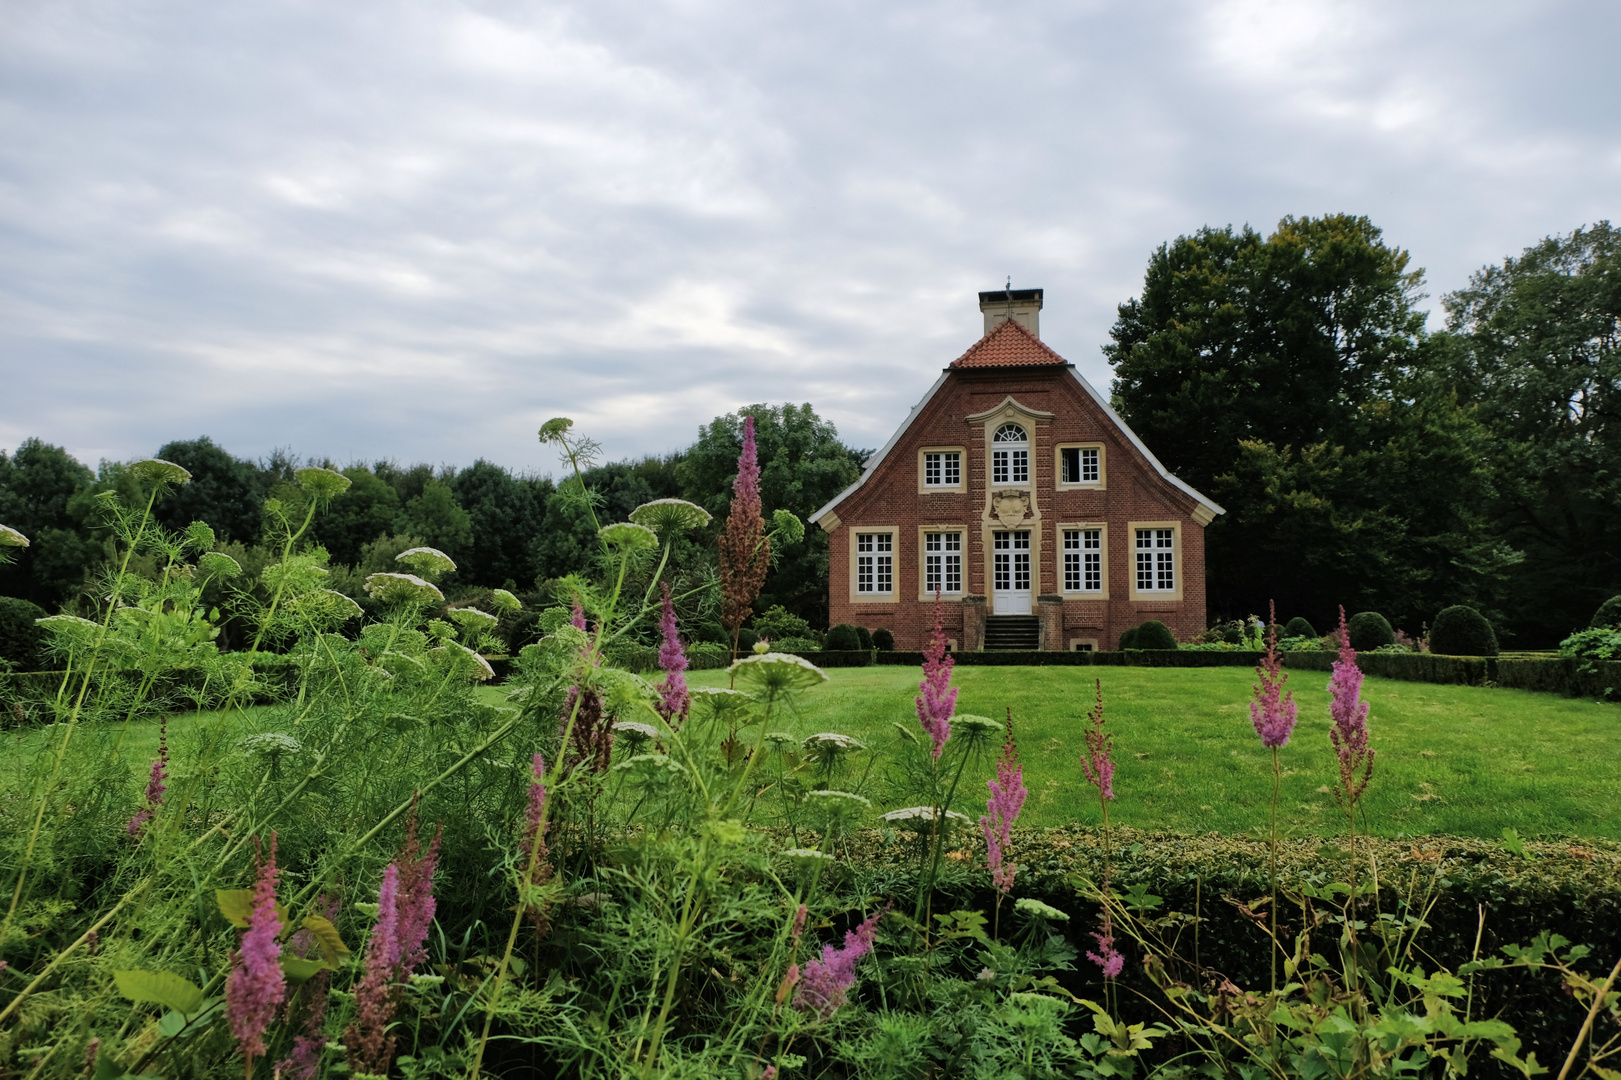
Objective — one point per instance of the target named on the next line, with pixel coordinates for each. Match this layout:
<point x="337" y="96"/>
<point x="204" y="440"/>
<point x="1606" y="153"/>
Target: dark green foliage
<point x="712" y="631"/>
<point x="505" y="513"/>
<point x="1462" y="631"/>
<point x="439" y="519"/>
<point x="1154" y="634"/>
<point x="746" y="639"/>
<point x="864" y="636"/>
<point x="1608" y="615"/>
<point x="1369" y="630"/>
<point x="40" y="496"/>
<point x="842" y="638"/>
<point x="1298" y="627"/>
<point x="225" y="492"/>
<point x="1128" y="639"/>
<point x="22" y="641"/>
<point x="358" y="517"/>
<point x="778" y="622"/>
<point x="882" y="639"/>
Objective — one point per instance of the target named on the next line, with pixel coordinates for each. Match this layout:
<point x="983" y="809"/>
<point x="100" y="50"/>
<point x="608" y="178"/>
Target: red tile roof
<point x="1008" y="345"/>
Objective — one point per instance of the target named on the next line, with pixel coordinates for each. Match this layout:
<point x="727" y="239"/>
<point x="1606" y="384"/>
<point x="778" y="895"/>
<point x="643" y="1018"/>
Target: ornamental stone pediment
<point x="1007" y="409"/>
<point x="1010" y="507"/>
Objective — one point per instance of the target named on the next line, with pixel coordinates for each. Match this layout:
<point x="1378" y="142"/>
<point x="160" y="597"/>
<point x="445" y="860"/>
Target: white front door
<point x="1010" y="572"/>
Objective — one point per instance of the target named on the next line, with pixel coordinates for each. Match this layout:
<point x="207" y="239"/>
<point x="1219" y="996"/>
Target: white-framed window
<point x="1080" y="464"/>
<point x="875" y="563"/>
<point x="1010" y="455"/>
<point x="1156" y="560"/>
<point x="942" y="562"/>
<point x="1083" y="560"/>
<point x="942" y="468"/>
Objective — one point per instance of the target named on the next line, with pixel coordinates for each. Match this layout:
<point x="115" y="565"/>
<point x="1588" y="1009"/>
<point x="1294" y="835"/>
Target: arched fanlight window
<point x="1010" y="433"/>
<point x="1010" y="456"/>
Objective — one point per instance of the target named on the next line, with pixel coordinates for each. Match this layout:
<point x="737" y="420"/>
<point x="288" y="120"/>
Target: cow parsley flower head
<point x="471" y="618"/>
<point x="158" y="471"/>
<point x="505" y="602"/>
<point x="10" y="537"/>
<point x="665" y="516"/>
<point x="626" y="536"/>
<point x="427" y="561"/>
<point x="323" y="483"/>
<point x="402" y="588"/>
<point x="778" y="672"/>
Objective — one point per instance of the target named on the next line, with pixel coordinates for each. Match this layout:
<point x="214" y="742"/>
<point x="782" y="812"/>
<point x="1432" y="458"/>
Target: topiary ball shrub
<point x="1298" y="627"/>
<point x="746" y="639"/>
<point x="1462" y="631"/>
<point x="1128" y="639"/>
<point x="22" y="640"/>
<point x="883" y="640"/>
<point x="864" y="636"/>
<point x="842" y="638"/>
<point x="1608" y="615"/>
<point x="1154" y="634"/>
<point x="1369" y="631"/>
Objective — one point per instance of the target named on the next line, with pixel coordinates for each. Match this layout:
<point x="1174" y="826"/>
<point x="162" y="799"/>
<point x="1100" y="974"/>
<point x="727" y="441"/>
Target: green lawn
<point x="1450" y="759"/>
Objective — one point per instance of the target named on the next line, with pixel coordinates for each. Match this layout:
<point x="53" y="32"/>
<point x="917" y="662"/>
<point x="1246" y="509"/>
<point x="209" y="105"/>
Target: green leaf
<point x="159" y="988"/>
<point x="326" y="935"/>
<point x="237" y="907"/>
<point x="299" y="970"/>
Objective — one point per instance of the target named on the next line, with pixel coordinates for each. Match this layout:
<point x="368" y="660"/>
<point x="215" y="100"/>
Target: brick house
<point x="1015" y="490"/>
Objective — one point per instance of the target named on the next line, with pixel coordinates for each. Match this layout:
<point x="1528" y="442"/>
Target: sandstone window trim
<point x="1099" y="470"/>
<point x="1162" y="558"/>
<point x="924" y="487"/>
<point x="1102" y="559"/>
<point x="1010" y="455"/>
<point x="880" y="546"/>
<point x="946" y="555"/>
<point x="1083" y="644"/>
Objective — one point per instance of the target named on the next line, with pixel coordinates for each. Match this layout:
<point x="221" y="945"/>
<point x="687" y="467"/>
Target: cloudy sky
<point x="416" y="230"/>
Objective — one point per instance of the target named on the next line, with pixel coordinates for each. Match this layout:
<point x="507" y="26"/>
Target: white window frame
<point x="926" y="486"/>
<point x="874" y="556"/>
<point x="1096" y="483"/>
<point x="941" y="558"/>
<point x="1010" y="455"/>
<point x="1156" y="566"/>
<point x="1082" y="560"/>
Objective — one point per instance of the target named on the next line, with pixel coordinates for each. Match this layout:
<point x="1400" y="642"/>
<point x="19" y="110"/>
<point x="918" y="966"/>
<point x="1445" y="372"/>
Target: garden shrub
<point x="1462" y="631"/>
<point x="883" y="639"/>
<point x="22" y="640"/>
<point x="1298" y="627"/>
<point x="1608" y="615"/>
<point x="1154" y="634"/>
<point x="864" y="636"/>
<point x="746" y="639"/>
<point x="1128" y="639"/>
<point x="1369" y="630"/>
<point x="797" y="645"/>
<point x="842" y="638"/>
<point x="777" y="623"/>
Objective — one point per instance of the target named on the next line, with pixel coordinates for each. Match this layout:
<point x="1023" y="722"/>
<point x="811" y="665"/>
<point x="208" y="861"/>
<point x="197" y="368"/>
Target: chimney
<point x="1023" y="306"/>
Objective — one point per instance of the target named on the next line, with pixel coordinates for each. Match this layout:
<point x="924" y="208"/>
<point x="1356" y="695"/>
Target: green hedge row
<point x="1566" y="675"/>
<point x="1570" y="887"/>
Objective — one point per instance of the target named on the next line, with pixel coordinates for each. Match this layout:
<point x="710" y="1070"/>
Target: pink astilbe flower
<point x="1002" y="810"/>
<point x="304" y="1058"/>
<point x="744" y="549"/>
<point x="370" y="1047"/>
<point x="592" y="738"/>
<point x="1107" y="957"/>
<point x="416" y="902"/>
<point x="1349" y="733"/>
<point x="1098" y="764"/>
<point x="537" y="869"/>
<point x="826" y="982"/>
<point x="938" y="701"/>
<point x="674" y="698"/>
<point x="256" y="985"/>
<point x="577" y="619"/>
<point x="1273" y="711"/>
<point x="155" y="786"/>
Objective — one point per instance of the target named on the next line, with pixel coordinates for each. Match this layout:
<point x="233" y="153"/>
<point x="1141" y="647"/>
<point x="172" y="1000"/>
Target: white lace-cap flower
<point x="808" y="855"/>
<point x="974" y="728"/>
<point x="219" y="564"/>
<point x="780" y="741"/>
<point x="340" y="604"/>
<point x="505" y="601"/>
<point x="832" y="740"/>
<point x="10" y="537"/>
<point x="629" y="537"/>
<point x="845" y="800"/>
<point x="482" y="671"/>
<point x="666" y="515"/>
<point x="636" y="729"/>
<point x="427" y="560"/>
<point x="473" y="618"/>
<point x="159" y="471"/>
<point x="324" y="483"/>
<point x="271" y="743"/>
<point x="918" y="814"/>
<point x="718" y="692"/>
<point x="1036" y="907"/>
<point x="390" y="587"/>
<point x="778" y="671"/>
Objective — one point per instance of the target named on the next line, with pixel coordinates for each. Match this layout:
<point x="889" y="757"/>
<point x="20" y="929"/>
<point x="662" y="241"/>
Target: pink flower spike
<point x="1108" y="957"/>
<point x="826" y="982"/>
<point x="155" y="786"/>
<point x="578" y="617"/>
<point x="537" y="801"/>
<point x="256" y="985"/>
<point x="747" y="485"/>
<point x="674" y="698"/>
<point x="1098" y="764"/>
<point x="938" y="701"/>
<point x="1349" y="732"/>
<point x="1273" y="711"/>
<point x="1002" y="810"/>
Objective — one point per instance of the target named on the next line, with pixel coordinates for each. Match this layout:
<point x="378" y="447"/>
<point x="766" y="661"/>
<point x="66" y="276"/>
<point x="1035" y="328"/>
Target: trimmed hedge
<point x="1462" y="631"/>
<point x="1608" y="615"/>
<point x="883" y="639"/>
<point x="1370" y="630"/>
<point x="1299" y="627"/>
<point x="1154" y="634"/>
<point x="842" y="638"/>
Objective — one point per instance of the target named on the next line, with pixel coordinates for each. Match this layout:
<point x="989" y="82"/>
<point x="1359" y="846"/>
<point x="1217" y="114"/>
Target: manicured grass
<point x="1450" y="759"/>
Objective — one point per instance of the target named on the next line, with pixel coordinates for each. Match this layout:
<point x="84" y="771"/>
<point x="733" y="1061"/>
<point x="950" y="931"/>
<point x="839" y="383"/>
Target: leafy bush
<point x="795" y="645"/>
<point x="1369" y="630"/>
<point x="1128" y="639"/>
<point x="22" y="640"/>
<point x="864" y="636"/>
<point x="746" y="639"/>
<point x="842" y="638"/>
<point x="1298" y="627"/>
<point x="1608" y="615"/>
<point x="778" y="623"/>
<point x="1462" y="631"/>
<point x="1154" y="634"/>
<point x="883" y="639"/>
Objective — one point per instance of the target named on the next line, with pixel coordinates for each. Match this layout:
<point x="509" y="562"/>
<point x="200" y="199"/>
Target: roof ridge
<point x="1013" y="353"/>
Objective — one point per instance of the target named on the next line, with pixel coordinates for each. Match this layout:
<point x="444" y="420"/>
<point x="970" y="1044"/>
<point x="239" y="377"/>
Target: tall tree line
<point x="1368" y="462"/>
